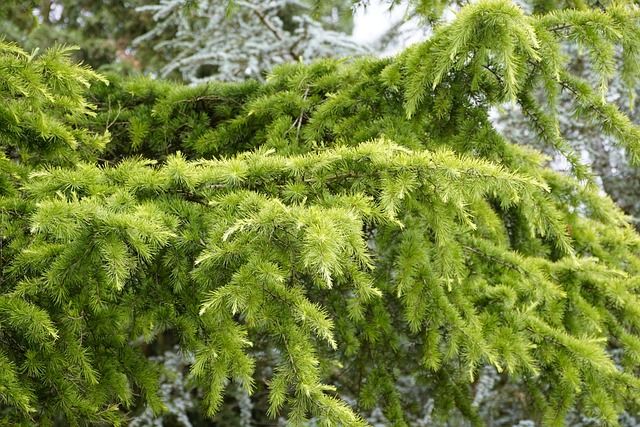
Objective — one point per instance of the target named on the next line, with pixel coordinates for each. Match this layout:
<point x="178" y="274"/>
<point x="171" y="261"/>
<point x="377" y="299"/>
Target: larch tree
<point x="342" y="237"/>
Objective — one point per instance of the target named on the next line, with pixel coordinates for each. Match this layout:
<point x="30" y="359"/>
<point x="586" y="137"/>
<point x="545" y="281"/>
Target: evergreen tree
<point x="229" y="41"/>
<point x="104" y="29"/>
<point x="328" y="239"/>
<point x="184" y="39"/>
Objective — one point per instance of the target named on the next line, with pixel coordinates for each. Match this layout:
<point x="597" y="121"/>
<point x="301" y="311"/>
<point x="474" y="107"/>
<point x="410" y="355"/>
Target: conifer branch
<point x="559" y="27"/>
<point x="494" y="259"/>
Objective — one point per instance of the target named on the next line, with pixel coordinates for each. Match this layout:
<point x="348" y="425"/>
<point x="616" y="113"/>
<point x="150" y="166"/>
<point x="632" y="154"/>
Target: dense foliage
<point x="324" y="237"/>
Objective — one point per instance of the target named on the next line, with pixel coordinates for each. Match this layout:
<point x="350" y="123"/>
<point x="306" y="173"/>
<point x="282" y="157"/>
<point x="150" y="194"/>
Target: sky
<point x="372" y="22"/>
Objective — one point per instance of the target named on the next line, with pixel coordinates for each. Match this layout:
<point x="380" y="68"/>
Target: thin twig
<point x="108" y="125"/>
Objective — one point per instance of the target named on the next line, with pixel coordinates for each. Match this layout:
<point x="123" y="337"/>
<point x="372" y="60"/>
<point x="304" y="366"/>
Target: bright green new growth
<point x="41" y="98"/>
<point x="321" y="235"/>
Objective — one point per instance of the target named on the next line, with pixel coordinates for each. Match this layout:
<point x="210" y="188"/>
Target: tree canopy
<point x="324" y="236"/>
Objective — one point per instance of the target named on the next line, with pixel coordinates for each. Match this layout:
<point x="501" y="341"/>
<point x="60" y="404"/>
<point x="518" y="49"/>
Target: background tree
<point x="239" y="40"/>
<point x="105" y="30"/>
<point x="183" y="39"/>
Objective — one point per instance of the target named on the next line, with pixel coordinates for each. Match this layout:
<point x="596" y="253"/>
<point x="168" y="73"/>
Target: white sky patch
<point x="371" y="22"/>
<point x="55" y="14"/>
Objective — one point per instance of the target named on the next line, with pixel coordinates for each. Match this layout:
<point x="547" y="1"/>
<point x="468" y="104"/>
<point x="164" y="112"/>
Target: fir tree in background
<point x="347" y="241"/>
<point x="238" y="40"/>
<point x="185" y="39"/>
<point x="103" y="29"/>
